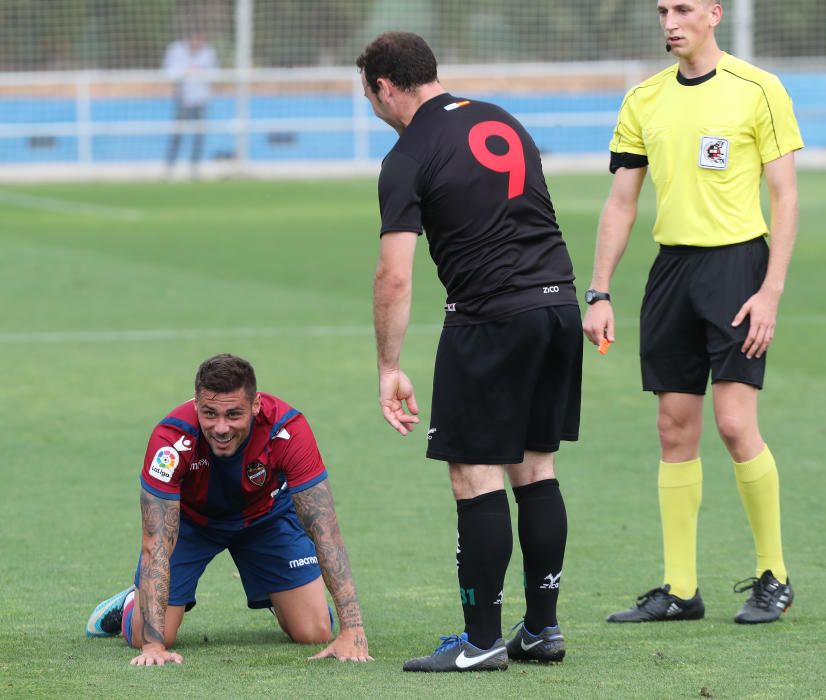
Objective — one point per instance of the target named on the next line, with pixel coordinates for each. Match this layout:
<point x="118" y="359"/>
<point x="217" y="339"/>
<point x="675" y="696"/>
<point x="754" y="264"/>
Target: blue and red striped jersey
<point x="279" y="456"/>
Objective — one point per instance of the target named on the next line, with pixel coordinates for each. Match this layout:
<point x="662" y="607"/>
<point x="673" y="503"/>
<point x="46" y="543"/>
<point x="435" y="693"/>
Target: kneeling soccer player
<point x="240" y="470"/>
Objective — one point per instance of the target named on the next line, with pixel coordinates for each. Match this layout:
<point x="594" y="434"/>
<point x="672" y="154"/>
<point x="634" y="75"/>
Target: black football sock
<point x="543" y="530"/>
<point x="483" y="551"/>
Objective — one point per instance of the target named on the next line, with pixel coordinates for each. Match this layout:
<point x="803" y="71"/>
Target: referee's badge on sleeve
<point x="714" y="153"/>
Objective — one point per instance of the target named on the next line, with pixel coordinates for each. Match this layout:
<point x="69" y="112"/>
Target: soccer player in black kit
<point x="506" y="385"/>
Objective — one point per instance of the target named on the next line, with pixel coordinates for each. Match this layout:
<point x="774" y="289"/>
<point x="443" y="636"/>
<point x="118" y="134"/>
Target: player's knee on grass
<point x="303" y="614"/>
<point x="306" y="627"/>
<point x="310" y="631"/>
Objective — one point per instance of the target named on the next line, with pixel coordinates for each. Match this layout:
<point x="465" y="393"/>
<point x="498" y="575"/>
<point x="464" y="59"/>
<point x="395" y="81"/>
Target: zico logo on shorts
<point x="164" y="463"/>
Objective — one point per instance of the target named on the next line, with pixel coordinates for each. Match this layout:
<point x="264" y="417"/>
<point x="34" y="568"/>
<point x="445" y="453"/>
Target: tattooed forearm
<point x="318" y="515"/>
<point x="160" y="521"/>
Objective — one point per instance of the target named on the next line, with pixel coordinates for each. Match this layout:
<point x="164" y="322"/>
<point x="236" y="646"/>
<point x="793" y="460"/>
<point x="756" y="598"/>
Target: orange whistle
<point x="603" y="346"/>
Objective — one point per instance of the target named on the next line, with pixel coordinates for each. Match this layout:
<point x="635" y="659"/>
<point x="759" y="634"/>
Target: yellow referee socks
<point x="681" y="491"/>
<point x="759" y="488"/>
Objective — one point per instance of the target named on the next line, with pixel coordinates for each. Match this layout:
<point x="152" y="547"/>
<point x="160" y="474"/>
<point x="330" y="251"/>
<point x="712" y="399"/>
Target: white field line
<point x="148" y="335"/>
<point x="353" y="331"/>
<point x="64" y="206"/>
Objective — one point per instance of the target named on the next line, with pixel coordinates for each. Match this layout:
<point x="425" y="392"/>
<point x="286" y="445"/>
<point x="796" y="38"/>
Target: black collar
<point x="432" y="104"/>
<point x="682" y="80"/>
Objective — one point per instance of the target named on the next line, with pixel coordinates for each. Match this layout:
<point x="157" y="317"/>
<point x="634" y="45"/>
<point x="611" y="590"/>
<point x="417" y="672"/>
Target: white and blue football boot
<point x="106" y="618"/>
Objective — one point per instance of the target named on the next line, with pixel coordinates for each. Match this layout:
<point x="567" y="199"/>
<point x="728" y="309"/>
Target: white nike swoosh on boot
<point x="528" y="647"/>
<point x="463" y="661"/>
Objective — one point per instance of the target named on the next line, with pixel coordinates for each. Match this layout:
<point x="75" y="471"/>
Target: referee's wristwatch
<point x="592" y="296"/>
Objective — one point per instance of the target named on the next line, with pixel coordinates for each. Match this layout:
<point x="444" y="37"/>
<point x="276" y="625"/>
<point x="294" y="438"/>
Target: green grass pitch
<point x="112" y="294"/>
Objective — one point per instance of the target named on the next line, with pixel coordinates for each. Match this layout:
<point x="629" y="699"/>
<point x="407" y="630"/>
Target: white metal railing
<point x="244" y="84"/>
<point x="84" y="87"/>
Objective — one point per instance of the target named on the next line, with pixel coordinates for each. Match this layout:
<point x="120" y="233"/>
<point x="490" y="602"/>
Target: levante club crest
<point x="256" y="473"/>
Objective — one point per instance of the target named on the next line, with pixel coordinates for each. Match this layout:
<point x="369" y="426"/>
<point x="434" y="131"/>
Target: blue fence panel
<point x="276" y="145"/>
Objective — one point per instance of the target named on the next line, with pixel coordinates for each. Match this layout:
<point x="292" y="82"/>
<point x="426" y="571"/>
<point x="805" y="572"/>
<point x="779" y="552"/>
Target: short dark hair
<point x="403" y="58"/>
<point x="224" y="374"/>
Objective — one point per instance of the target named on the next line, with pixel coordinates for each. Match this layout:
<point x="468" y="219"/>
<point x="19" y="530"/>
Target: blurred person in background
<point x="188" y="63"/>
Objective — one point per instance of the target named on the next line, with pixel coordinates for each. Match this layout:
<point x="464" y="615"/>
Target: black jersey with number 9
<point x="470" y="176"/>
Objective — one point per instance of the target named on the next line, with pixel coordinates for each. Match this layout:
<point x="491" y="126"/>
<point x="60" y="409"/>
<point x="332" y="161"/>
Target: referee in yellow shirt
<point x="708" y="128"/>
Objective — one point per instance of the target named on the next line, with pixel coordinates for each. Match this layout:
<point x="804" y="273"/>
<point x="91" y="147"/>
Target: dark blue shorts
<point x="274" y="554"/>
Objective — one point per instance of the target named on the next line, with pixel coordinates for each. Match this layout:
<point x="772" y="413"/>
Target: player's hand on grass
<point x="396" y="392"/>
<point x="598" y="324"/>
<point x="156" y="655"/>
<point x="761" y="308"/>
<point x="350" y="645"/>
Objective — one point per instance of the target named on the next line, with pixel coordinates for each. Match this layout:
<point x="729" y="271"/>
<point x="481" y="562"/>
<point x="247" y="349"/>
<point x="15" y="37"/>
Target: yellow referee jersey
<point x="706" y="141"/>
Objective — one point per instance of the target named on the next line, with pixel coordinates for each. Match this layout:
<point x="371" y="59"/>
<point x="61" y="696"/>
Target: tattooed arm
<point x="318" y="515"/>
<point x="160" y="519"/>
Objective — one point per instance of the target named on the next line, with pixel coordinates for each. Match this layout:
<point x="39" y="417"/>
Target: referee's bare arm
<point x="761" y="308"/>
<point x="615" y="224"/>
<point x="392" y="296"/>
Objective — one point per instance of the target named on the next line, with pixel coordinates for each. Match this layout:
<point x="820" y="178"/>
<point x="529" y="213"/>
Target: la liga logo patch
<point x="164" y="463"/>
<point x="256" y="473"/>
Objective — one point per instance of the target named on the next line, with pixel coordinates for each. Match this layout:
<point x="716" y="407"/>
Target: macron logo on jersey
<point x="184" y="444"/>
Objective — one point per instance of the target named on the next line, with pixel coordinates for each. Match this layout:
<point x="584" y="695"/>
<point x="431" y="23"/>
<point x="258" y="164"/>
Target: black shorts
<point x="691" y="298"/>
<point x="507" y="386"/>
